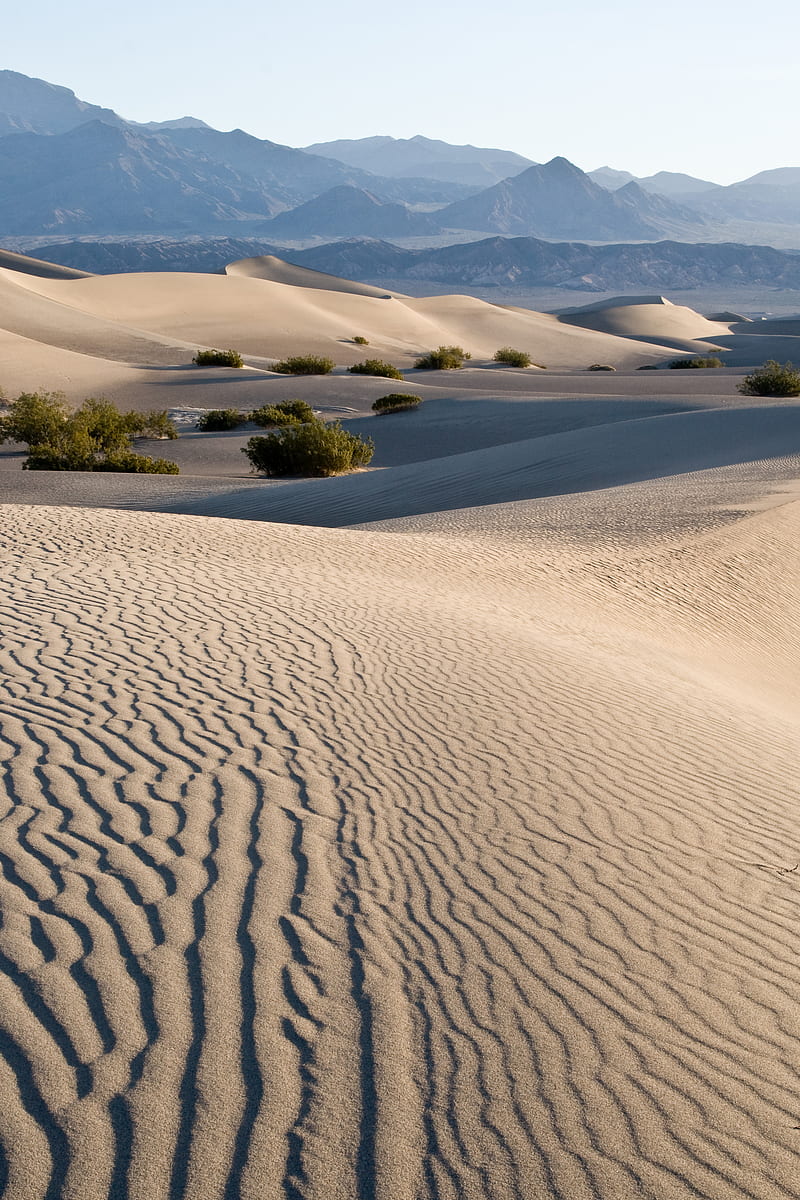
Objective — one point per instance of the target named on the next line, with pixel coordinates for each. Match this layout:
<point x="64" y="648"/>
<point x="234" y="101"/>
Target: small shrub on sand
<point x="512" y="358"/>
<point x="772" y="379"/>
<point x="601" y="367"/>
<point x="396" y="402"/>
<point x="218" y="358"/>
<point x="444" y="358"/>
<point x="287" y="412"/>
<point x="34" y="418"/>
<point x="219" y="419"/>
<point x="312" y="449"/>
<point x="94" y="437"/>
<point x="374" y="366"/>
<point x="73" y="456"/>
<point x="305" y="364"/>
<point x="695" y="364"/>
<point x="138" y="464"/>
<point x="361" y="341"/>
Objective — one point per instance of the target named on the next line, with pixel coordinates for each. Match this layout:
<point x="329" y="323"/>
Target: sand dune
<point x="428" y="833"/>
<point x="267" y="266"/>
<point x="649" y="318"/>
<point x="580" y="460"/>
<point x="346" y="863"/>
<point x="159" y="320"/>
<point x="35" y="266"/>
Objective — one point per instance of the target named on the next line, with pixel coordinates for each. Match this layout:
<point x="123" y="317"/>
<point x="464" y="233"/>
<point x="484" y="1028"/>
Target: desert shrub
<point x="34" y="418"/>
<point x="110" y="430"/>
<point x="218" y="358"/>
<point x="444" y="358"/>
<point x="512" y="358"/>
<point x="287" y="412"/>
<point x="361" y="341"/>
<point x="601" y="367"/>
<point x="374" y="366"/>
<point x="396" y="402"/>
<point x="82" y="440"/>
<point x="311" y="449"/>
<point x="153" y="424"/>
<point x="138" y="464"/>
<point x="694" y="364"/>
<point x="772" y="379"/>
<point x="305" y="364"/>
<point x="218" y="419"/>
<point x="648" y="367"/>
<point x="73" y="456"/>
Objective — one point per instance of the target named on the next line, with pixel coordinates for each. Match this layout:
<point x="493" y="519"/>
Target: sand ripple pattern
<point x="381" y="866"/>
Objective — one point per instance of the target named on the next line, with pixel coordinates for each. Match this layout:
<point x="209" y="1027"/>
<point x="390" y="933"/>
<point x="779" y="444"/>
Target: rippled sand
<point x="439" y="861"/>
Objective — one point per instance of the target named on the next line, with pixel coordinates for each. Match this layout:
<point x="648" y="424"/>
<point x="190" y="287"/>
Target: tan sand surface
<point x="649" y="318"/>
<point x="267" y="266"/>
<point x="343" y="863"/>
<point x="156" y="319"/>
<point x="438" y="842"/>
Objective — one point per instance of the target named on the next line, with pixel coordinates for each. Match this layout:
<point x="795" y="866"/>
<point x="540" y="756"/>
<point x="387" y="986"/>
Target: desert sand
<point x="429" y="832"/>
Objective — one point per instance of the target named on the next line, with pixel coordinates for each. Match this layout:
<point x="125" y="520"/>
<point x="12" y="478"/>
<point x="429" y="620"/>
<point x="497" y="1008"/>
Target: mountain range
<point x="508" y="263"/>
<point x="73" y="169"/>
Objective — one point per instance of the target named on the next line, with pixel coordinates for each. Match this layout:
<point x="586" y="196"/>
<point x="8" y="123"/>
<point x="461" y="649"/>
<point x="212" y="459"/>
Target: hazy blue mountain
<point x="609" y="177"/>
<point x="778" y="177"/>
<point x="350" y="212"/>
<point x="558" y="200"/>
<point x="178" y="123"/>
<point x="35" y="106"/>
<point x="665" y="183"/>
<point x="300" y="174"/>
<point x="206" y="255"/>
<point x="103" y="179"/>
<point x="530" y="262"/>
<point x="673" y="183"/>
<point x="501" y="262"/>
<point x="180" y="175"/>
<point x="772" y="197"/>
<point x="425" y="157"/>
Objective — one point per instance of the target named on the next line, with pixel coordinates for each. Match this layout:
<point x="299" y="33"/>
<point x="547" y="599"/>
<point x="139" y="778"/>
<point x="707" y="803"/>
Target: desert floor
<point x="429" y="832"/>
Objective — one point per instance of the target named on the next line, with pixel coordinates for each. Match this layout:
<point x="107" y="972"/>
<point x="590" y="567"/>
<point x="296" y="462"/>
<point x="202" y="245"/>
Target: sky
<point x="701" y="86"/>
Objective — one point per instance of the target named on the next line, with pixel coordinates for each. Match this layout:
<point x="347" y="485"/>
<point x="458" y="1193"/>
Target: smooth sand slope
<point x="127" y="335"/>
<point x="345" y="863"/>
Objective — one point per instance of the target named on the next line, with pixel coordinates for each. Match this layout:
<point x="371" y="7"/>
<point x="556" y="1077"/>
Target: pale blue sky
<point x="703" y="86"/>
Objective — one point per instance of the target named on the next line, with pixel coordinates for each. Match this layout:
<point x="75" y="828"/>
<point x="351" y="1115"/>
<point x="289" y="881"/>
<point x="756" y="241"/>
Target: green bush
<point x="217" y="419"/>
<point x="396" y="402"/>
<point x="218" y="358"/>
<point x="374" y="366"/>
<point x="153" y="424"/>
<point x="305" y="364"/>
<point x="287" y="412"/>
<point x="693" y="364"/>
<point x="138" y="464"/>
<point x="512" y="358"/>
<point x="444" y="358"/>
<point x="772" y="379"/>
<point x="361" y="341"/>
<point x="311" y="449"/>
<point x="34" y="418"/>
<point x="95" y="436"/>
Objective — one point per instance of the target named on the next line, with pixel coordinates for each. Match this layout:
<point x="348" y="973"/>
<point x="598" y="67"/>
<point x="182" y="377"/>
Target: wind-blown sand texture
<point x="451" y="853"/>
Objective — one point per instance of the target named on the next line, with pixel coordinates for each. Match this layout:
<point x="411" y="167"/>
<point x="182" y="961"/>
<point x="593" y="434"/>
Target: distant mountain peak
<point x="29" y="105"/>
